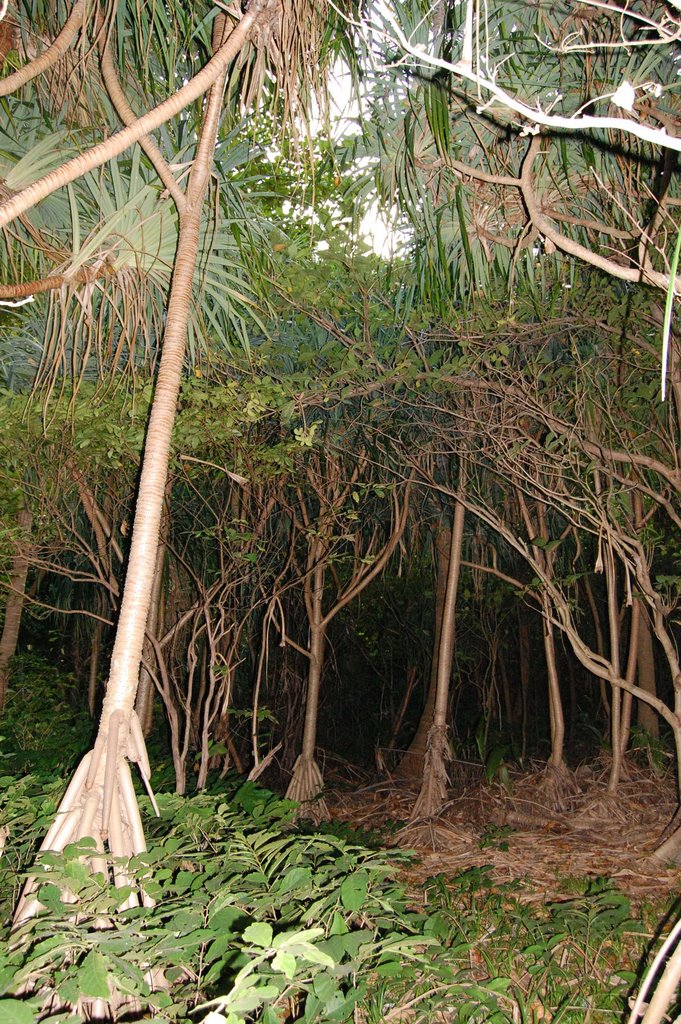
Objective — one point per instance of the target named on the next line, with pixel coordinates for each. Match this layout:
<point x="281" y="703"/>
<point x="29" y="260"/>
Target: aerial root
<point x="306" y="787"/>
<point x="435" y="785"/>
<point x="99" y="803"/>
<point x="559" y="788"/>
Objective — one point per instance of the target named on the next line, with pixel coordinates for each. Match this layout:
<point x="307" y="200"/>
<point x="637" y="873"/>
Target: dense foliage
<point x="255" y="916"/>
<point x="271" y="502"/>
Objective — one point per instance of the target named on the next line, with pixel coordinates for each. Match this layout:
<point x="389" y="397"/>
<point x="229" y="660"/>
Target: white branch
<point x="534" y="116"/>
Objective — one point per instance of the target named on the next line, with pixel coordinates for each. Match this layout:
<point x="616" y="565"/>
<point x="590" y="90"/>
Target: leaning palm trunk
<point x="144" y="703"/>
<point x="100" y="801"/>
<point x="15" y="605"/>
<point x="433" y="793"/>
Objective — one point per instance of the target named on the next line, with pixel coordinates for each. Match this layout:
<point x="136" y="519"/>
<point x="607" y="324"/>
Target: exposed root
<point x="434" y="788"/>
<point x="602" y="807"/>
<point x="99" y="803"/>
<point x="669" y="851"/>
<point x="306" y="787"/>
<point x="559" y="788"/>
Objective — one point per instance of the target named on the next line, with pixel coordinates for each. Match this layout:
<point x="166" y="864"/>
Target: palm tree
<point x="481" y="132"/>
<point x="131" y="244"/>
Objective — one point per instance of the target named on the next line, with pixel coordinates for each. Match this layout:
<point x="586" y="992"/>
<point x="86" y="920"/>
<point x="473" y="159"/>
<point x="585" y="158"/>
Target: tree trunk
<point x="556" y="717"/>
<point x="306" y="782"/>
<point x="101" y="801"/>
<point x="616" y="701"/>
<point x="435" y="779"/>
<point x="646" y="715"/>
<point x="630" y="675"/>
<point x="144" y="703"/>
<point x="14" y="607"/>
<point x="411" y="765"/>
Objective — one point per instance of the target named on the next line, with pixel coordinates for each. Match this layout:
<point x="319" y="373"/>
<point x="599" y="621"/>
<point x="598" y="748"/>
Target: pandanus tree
<point x="100" y="800"/>
<point x="410" y="767"/>
<point x="501" y="167"/>
<point x="434" y="781"/>
<point x="591" y="466"/>
<point x="335" y="513"/>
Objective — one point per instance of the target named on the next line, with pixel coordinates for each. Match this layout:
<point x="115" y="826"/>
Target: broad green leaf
<point x="285" y="962"/>
<point x="12" y="1011"/>
<point x="354" y="890"/>
<point x="259" y="934"/>
<point x="92" y="976"/>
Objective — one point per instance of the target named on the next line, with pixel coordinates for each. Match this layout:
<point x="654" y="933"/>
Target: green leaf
<point x="286" y="963"/>
<point x="259" y="934"/>
<point x="12" y="1011"/>
<point x="92" y="976"/>
<point x="314" y="955"/>
<point x="338" y="924"/>
<point x="354" y="891"/>
<point x="324" y="987"/>
<point x="296" y="878"/>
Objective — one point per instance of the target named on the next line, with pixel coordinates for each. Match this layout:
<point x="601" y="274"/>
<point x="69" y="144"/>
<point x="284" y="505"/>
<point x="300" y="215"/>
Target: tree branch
<point x="533" y="116"/>
<point x="118" y="143"/>
<point x="44" y="61"/>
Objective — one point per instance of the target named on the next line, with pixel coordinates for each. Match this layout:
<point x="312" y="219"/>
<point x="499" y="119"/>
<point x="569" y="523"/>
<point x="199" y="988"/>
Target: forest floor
<point x="543" y="834"/>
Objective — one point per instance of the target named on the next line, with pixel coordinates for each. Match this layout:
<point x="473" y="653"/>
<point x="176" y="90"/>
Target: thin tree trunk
<point x="306" y="782"/>
<point x="411" y="765"/>
<point x="14" y="607"/>
<point x="616" y="701"/>
<point x="630" y="675"/>
<point x="435" y="779"/>
<point x="645" y="714"/>
<point x="556" y="717"/>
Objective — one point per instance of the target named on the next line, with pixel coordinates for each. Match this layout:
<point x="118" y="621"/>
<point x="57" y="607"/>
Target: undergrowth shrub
<point x="256" y="919"/>
<point x="248" y="910"/>
<point x="43" y="725"/>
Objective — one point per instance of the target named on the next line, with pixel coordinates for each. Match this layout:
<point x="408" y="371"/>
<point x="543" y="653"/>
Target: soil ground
<point x="541" y="832"/>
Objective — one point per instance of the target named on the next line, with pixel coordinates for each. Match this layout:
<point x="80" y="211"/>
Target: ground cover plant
<point x="257" y="917"/>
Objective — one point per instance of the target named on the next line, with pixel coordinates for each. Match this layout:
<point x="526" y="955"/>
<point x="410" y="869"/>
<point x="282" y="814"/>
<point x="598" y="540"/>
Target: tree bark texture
<point x="14" y="607"/>
<point x="556" y="717"/>
<point x="411" y="766"/>
<point x="433" y="792"/>
<point x="144" y="701"/>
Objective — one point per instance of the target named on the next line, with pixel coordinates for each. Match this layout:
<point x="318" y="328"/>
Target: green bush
<point x="255" y="919"/>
